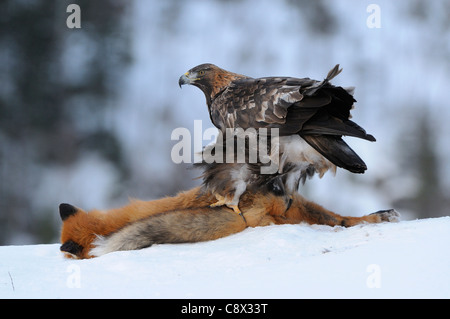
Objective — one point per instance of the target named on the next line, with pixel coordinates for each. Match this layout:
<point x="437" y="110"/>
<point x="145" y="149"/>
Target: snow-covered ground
<point x="410" y="259"/>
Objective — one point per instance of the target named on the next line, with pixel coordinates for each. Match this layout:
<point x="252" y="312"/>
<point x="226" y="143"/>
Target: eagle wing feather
<point x="266" y="99"/>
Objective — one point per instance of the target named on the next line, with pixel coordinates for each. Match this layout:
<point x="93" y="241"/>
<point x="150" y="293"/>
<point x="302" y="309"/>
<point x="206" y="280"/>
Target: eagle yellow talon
<point x="223" y="202"/>
<point x="220" y="201"/>
<point x="217" y="204"/>
<point x="235" y="208"/>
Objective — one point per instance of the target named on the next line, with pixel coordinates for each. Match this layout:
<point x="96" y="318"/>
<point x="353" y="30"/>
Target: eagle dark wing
<point x="293" y="105"/>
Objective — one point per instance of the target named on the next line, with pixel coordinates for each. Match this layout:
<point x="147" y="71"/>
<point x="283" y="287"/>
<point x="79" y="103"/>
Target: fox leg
<point x="388" y="215"/>
<point x="303" y="210"/>
<point x="321" y="215"/>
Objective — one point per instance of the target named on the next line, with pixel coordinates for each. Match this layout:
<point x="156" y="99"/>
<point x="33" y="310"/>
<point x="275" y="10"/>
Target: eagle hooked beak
<point x="187" y="78"/>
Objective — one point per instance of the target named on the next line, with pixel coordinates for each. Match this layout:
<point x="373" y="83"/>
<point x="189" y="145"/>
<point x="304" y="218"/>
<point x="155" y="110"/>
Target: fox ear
<point x="71" y="247"/>
<point x="66" y="210"/>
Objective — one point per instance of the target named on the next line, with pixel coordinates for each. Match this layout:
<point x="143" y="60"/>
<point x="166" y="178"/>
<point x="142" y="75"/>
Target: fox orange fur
<point x="187" y="217"/>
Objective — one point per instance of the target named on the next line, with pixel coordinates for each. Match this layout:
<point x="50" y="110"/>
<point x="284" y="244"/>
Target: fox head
<point x="76" y="236"/>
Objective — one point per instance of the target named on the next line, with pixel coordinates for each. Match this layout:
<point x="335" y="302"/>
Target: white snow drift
<point x="409" y="259"/>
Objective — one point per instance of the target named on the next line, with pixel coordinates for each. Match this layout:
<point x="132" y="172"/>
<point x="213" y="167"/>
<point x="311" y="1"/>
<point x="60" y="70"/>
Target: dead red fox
<point x="188" y="217"/>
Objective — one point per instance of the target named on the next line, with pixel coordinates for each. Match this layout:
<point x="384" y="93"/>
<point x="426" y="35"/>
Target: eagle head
<point x="209" y="78"/>
<point x="198" y="75"/>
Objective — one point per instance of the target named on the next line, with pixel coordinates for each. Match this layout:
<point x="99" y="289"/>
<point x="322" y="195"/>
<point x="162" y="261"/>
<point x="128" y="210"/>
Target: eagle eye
<point x="201" y="72"/>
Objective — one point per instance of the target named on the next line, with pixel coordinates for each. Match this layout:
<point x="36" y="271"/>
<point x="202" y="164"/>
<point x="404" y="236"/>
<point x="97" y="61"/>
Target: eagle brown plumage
<point x="311" y="117"/>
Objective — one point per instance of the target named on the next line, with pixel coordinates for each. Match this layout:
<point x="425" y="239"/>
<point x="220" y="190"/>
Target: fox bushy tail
<point x="179" y="226"/>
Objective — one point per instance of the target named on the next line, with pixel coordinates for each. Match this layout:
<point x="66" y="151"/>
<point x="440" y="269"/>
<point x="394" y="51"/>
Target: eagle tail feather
<point x="336" y="151"/>
<point x="332" y="126"/>
<point x="333" y="73"/>
<point x="310" y="91"/>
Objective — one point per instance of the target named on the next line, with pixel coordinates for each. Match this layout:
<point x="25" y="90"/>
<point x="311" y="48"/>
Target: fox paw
<point x="388" y="215"/>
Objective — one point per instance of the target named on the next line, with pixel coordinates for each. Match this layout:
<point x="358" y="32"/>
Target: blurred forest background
<point x="86" y="114"/>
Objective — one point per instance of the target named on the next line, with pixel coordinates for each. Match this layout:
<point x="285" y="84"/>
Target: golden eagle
<point x="310" y="117"/>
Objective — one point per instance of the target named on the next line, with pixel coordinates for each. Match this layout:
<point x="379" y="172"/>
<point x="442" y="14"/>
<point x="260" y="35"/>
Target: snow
<point x="408" y="259"/>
